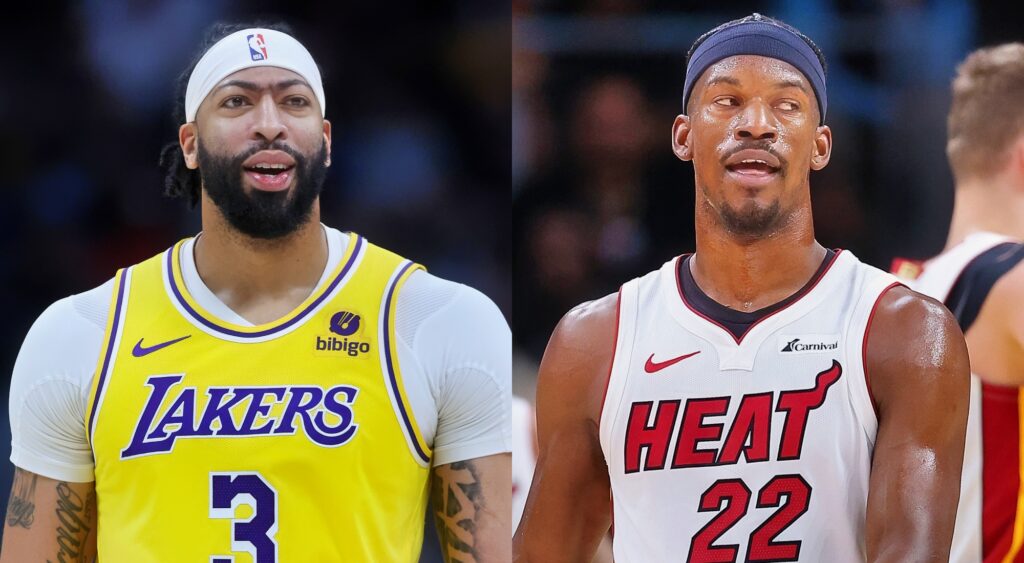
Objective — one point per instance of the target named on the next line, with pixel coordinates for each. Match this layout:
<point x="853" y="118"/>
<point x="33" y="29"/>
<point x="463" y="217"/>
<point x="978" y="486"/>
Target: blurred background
<point x="598" y="195"/>
<point x="418" y="94"/>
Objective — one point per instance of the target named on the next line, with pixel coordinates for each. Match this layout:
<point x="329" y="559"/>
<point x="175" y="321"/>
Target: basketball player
<point x="763" y="399"/>
<point x="271" y="389"/>
<point x="980" y="276"/>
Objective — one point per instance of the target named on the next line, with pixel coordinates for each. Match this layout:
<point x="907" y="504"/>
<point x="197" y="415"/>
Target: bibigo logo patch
<point x="346" y="336"/>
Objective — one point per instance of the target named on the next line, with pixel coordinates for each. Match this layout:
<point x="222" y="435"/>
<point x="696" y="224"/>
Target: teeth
<point x="271" y="166"/>
<point x="753" y="161"/>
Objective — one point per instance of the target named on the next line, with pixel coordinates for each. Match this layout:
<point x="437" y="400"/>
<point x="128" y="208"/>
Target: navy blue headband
<point x="758" y="37"/>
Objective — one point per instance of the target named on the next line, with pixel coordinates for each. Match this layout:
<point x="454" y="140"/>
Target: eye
<point x="297" y="101"/>
<point x="727" y="101"/>
<point x="233" y="102"/>
<point x="788" y="105"/>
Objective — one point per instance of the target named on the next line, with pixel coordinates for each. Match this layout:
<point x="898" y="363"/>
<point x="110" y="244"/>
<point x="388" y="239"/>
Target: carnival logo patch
<point x="808" y="343"/>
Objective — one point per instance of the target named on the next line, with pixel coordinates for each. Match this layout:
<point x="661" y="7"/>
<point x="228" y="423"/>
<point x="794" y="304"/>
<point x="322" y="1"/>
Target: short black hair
<point x="755" y="17"/>
<point x="180" y="180"/>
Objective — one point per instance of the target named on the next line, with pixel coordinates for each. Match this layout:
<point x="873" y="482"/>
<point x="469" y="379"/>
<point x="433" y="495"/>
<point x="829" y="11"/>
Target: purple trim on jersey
<point x="109" y="354"/>
<point x="391" y="369"/>
<point x="211" y="324"/>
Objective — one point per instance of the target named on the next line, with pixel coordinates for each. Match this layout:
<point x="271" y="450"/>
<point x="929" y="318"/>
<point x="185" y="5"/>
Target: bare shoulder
<point x="1006" y="297"/>
<point x="578" y="357"/>
<point x="585" y="321"/>
<point x="913" y="339"/>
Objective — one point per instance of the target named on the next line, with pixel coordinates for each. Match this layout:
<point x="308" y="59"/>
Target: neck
<point x="994" y="205"/>
<point x="260" y="279"/>
<point x="749" y="273"/>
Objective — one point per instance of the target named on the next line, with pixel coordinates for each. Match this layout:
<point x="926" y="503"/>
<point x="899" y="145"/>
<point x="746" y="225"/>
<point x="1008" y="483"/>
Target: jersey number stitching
<point x="761" y="546"/>
<point x="255" y="534"/>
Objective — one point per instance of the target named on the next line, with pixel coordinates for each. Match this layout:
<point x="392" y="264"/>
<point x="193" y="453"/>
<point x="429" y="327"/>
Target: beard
<point x="752" y="219"/>
<point x="259" y="214"/>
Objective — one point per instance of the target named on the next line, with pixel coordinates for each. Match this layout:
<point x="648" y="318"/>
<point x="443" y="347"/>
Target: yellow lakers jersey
<point x="290" y="441"/>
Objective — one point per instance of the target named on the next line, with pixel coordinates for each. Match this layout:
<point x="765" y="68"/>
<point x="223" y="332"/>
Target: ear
<point x="681" y="138"/>
<point x="1016" y="162"/>
<point x="327" y="141"/>
<point x="822" y="148"/>
<point x="188" y="140"/>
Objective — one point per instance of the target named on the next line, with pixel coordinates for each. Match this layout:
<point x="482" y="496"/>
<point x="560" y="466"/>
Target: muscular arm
<point x="918" y="369"/>
<point x="568" y="510"/>
<point x="472" y="504"/>
<point x="49" y="521"/>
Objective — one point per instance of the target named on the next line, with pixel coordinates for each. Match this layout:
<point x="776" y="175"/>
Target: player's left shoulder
<point x="913" y="336"/>
<point x="433" y="295"/>
<point x="450" y="323"/>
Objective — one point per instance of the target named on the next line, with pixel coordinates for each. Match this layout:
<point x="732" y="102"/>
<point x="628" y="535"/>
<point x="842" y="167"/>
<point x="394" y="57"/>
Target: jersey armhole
<point x="110" y="343"/>
<point x="418" y="446"/>
<point x="859" y="382"/>
<point x="625" y="330"/>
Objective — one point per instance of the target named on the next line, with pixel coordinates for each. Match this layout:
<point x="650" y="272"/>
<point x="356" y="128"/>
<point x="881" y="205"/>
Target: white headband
<point x="246" y="49"/>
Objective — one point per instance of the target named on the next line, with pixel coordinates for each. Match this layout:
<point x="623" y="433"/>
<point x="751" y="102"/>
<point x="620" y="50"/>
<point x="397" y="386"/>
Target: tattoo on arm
<point x="21" y="510"/>
<point x="458" y="501"/>
<point x="75" y="517"/>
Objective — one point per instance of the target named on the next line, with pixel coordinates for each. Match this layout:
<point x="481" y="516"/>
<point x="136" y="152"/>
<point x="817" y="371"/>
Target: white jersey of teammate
<point x="749" y="449"/>
<point x="936" y="280"/>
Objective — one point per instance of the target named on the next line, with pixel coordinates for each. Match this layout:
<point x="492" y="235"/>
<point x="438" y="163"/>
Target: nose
<point x="756" y="122"/>
<point x="269" y="124"/>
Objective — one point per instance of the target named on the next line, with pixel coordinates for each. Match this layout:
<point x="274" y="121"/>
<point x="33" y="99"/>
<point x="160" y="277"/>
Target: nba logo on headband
<point x="257" y="47"/>
<point x="227" y="57"/>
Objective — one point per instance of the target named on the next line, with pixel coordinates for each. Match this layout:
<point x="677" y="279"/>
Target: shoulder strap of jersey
<point x="977" y="279"/>
<point x="627" y="310"/>
<point x="108" y="349"/>
<point x="418" y="446"/>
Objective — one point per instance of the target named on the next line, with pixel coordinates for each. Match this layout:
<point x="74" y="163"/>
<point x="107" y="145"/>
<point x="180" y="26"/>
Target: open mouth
<point x="755" y="168"/>
<point x="270" y="170"/>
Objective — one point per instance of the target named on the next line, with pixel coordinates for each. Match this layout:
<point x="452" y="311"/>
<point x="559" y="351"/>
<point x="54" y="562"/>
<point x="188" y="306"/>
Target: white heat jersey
<point x="1000" y="405"/>
<point x="757" y="449"/>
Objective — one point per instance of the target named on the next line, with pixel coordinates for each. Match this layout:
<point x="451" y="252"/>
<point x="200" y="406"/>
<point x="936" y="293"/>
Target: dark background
<point x="598" y="195"/>
<point x="418" y="94"/>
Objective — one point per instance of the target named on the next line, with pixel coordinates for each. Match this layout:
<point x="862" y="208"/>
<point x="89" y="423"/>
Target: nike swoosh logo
<point x="139" y="350"/>
<point x="652" y="366"/>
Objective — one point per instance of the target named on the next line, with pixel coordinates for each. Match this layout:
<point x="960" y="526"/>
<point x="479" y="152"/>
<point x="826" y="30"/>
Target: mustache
<point x="300" y="159"/>
<point x="761" y="145"/>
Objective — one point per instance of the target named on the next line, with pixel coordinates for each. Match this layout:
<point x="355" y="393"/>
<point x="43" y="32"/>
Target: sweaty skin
<point x="755" y="247"/>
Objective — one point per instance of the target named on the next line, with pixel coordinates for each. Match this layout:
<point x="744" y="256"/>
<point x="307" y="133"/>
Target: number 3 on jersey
<point x="762" y="546"/>
<point x="253" y="535"/>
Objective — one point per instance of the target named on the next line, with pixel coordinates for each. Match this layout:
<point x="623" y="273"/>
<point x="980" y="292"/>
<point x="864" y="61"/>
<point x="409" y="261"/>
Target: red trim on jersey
<point x="864" y="343"/>
<point x="604" y="398"/>
<point x="615" y="349"/>
<point x="1000" y="469"/>
<point x="611" y="528"/>
<point x="533" y="434"/>
<point x="799" y="295"/>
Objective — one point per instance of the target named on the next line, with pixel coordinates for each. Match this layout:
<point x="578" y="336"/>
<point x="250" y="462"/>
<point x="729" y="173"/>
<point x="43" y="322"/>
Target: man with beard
<point x="765" y="398"/>
<point x="271" y="386"/>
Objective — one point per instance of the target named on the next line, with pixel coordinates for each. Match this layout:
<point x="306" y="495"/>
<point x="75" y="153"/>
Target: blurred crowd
<point x="598" y="196"/>
<point x="418" y="94"/>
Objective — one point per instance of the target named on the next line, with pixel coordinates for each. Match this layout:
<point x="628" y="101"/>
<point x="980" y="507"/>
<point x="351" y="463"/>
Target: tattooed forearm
<point x="458" y="501"/>
<point x="75" y="516"/>
<point x="21" y="510"/>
